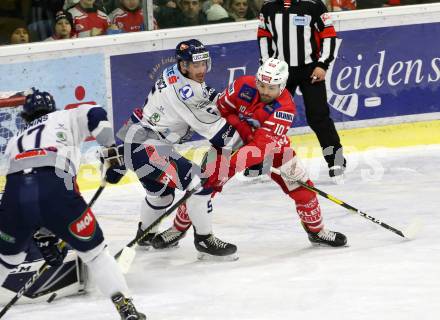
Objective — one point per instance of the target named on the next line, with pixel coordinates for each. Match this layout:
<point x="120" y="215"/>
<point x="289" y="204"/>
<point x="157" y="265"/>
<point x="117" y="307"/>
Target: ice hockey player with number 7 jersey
<point x="262" y="111"/>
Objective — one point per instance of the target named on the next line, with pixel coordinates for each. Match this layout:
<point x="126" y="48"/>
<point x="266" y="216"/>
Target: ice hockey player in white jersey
<point x="40" y="191"/>
<point x="179" y="103"/>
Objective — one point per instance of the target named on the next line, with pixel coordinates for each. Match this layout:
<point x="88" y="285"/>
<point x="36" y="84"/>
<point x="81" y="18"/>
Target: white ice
<point x="279" y="275"/>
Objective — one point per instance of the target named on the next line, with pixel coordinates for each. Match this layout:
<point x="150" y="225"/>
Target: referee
<point x="301" y="33"/>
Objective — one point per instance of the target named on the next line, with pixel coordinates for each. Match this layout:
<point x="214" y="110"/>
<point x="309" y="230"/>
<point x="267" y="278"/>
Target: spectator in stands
<point x="88" y="20"/>
<point x="187" y="13"/>
<point x="12" y="15"/>
<point x="240" y="10"/>
<point x="105" y="6"/>
<point x="129" y="16"/>
<point x="63" y="28"/>
<point x="192" y="14"/>
<point x="20" y="35"/>
<point x="40" y="17"/>
<point x="167" y="13"/>
<point x="341" y="5"/>
<point x="217" y="14"/>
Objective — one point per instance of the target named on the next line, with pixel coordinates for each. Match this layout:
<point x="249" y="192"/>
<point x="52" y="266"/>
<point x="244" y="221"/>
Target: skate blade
<point x="169" y="248"/>
<point x="202" y="256"/>
<point x="324" y="245"/>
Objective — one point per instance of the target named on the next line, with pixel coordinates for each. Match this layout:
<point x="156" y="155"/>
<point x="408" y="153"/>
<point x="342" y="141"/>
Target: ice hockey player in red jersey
<point x="262" y="111"/>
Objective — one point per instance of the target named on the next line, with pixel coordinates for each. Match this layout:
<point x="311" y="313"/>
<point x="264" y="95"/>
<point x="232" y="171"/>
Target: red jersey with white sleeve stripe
<point x="85" y="20"/>
<point x="128" y="20"/>
<point x="262" y="126"/>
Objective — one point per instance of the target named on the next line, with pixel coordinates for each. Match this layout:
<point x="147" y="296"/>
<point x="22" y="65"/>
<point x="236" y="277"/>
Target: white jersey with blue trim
<point x="178" y="105"/>
<point x="54" y="139"/>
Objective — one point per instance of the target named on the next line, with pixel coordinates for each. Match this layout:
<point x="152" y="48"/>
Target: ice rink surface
<point x="279" y="274"/>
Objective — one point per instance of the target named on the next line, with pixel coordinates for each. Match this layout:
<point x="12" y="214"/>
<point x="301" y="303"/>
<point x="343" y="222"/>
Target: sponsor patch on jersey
<point x="155" y="117"/>
<point x="326" y="19"/>
<point x="84" y="227"/>
<point x="247" y="93"/>
<point x="270" y="108"/>
<point x="61" y="136"/>
<point x="6" y="237"/>
<point x="286" y="116"/>
<point x="186" y="92"/>
<point x="30" y="154"/>
<point x="301" y="20"/>
<point x="172" y="79"/>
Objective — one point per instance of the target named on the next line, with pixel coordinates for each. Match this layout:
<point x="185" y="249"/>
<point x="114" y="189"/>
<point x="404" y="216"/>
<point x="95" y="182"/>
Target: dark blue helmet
<point x="37" y="104"/>
<point x="192" y="51"/>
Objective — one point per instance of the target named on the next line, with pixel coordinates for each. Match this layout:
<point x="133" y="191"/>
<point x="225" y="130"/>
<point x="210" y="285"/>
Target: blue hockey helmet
<point x="193" y="51"/>
<point x="37" y="104"/>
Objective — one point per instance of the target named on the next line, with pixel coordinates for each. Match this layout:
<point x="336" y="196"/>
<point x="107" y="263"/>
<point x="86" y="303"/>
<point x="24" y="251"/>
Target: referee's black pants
<point x="317" y="112"/>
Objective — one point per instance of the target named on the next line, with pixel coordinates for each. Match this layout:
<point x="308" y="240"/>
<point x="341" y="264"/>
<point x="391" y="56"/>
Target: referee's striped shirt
<point x="299" y="32"/>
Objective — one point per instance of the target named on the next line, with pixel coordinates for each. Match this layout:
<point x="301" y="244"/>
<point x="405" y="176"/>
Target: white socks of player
<point x="152" y="208"/>
<point x="200" y="212"/>
<point x="106" y="273"/>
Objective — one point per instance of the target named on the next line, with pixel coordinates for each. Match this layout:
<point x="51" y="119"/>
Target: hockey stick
<point x="408" y="234"/>
<point x="45" y="265"/>
<point x="126" y="255"/>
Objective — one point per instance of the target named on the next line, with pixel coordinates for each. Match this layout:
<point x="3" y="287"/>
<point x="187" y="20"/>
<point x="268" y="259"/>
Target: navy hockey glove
<point x="113" y="162"/>
<point x="49" y="248"/>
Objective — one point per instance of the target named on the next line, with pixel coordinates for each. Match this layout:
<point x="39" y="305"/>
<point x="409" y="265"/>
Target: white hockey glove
<point x="292" y="172"/>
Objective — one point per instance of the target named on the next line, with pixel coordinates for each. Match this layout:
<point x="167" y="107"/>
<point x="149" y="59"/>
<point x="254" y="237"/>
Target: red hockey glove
<point x="216" y="170"/>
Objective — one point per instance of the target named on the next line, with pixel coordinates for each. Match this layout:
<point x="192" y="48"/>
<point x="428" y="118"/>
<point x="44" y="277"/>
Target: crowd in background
<point x="23" y="21"/>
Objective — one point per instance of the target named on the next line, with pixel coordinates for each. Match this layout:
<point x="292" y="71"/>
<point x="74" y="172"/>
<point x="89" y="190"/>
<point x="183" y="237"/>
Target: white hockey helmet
<point x="274" y="71"/>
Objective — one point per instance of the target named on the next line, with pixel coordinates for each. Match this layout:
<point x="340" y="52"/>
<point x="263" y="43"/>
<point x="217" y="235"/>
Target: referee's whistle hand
<point x="318" y="75"/>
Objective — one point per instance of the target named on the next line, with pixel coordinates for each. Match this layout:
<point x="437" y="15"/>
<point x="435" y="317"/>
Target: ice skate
<point x="168" y="239"/>
<point x="145" y="243"/>
<point x="212" y="248"/>
<point x="126" y="309"/>
<point x="327" y="238"/>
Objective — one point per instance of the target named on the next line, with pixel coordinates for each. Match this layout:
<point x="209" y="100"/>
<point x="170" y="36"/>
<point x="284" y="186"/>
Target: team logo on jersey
<point x="61" y="136"/>
<point x="301" y="20"/>
<point x="270" y="108"/>
<point x="286" y="116"/>
<point x="84" y="227"/>
<point x="247" y="93"/>
<point x="242" y="109"/>
<point x="155" y="117"/>
<point x="161" y="109"/>
<point x="186" y="92"/>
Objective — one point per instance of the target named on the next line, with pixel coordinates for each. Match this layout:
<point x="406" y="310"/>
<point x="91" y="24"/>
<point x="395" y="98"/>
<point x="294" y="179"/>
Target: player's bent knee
<point x="11" y="261"/>
<point x="88" y="256"/>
